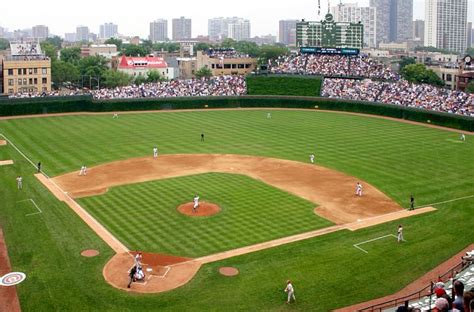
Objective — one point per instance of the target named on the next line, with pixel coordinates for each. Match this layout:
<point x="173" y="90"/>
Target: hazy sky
<point x="133" y="17"/>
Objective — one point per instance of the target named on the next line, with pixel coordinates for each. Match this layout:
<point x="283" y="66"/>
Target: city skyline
<point x="66" y="21"/>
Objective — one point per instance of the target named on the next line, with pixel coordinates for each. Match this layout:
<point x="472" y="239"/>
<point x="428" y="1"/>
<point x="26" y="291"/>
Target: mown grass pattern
<point x="327" y="271"/>
<point x="144" y="216"/>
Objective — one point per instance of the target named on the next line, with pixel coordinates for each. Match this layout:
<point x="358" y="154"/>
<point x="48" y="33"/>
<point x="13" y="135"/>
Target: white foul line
<point x="371" y="240"/>
<point x="21" y="153"/>
<point x="32" y="201"/>
<point x="447" y="201"/>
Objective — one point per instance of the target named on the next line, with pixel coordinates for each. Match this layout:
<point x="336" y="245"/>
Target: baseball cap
<point x="442" y="304"/>
<point x="439" y="292"/>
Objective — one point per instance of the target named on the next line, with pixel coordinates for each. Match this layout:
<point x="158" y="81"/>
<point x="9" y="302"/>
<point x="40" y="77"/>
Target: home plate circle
<point x="12" y="279"/>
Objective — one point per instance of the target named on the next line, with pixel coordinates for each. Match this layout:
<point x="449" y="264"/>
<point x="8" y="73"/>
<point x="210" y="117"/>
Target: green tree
<point x="115" y="41"/>
<point x="56" y="41"/>
<point x="202" y="46"/>
<point x="405" y="61"/>
<point x="139" y="80"/>
<point x="4" y="44"/>
<point x="135" y="50"/>
<point x="470" y="51"/>
<point x="147" y="44"/>
<point x="418" y="73"/>
<point x="114" y="78"/>
<point x="92" y="67"/>
<point x="166" y="46"/>
<point x="228" y="43"/>
<point x="269" y="52"/>
<point x="154" y="76"/>
<point x="470" y="87"/>
<point x="203" y="72"/>
<point x="62" y="72"/>
<point x="50" y="50"/>
<point x="247" y="47"/>
<point x="71" y="55"/>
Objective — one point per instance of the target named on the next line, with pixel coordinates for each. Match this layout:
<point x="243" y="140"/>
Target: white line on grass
<point x="33" y="202"/>
<point x="446" y="201"/>
<point x="21" y="153"/>
<point x="371" y="240"/>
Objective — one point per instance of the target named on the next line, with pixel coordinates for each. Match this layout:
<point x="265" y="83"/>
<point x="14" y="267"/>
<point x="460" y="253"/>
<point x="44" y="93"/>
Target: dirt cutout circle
<point x="89" y="253"/>
<point x="229" y="271"/>
<point x="204" y="209"/>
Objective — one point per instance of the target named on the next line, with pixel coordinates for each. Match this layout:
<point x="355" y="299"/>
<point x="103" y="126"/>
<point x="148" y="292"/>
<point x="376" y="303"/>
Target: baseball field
<point x="257" y="171"/>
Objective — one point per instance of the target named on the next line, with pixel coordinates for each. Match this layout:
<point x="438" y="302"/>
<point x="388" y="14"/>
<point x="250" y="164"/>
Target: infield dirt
<point x="8" y="296"/>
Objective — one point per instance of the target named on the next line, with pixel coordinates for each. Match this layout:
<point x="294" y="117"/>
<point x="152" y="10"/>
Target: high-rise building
<point x="419" y="30"/>
<point x="158" y="30"/>
<point x="70" y="37"/>
<point x="394" y="20"/>
<point x="82" y="33"/>
<point x="108" y="30"/>
<point x="218" y="28"/>
<point x="445" y="24"/>
<point x="182" y="28"/>
<point x="352" y="13"/>
<point x="239" y="29"/>
<point x="2" y="32"/>
<point x="40" y="32"/>
<point x="287" y="32"/>
<point x="469" y="35"/>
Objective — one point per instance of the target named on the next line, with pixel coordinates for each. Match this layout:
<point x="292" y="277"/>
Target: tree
<point x="470" y="87"/>
<point x="202" y="46"/>
<point x="269" y="52"/>
<point x="92" y="67"/>
<point x="154" y="76"/>
<point x="56" y="41"/>
<point x="135" y="50"/>
<point x="71" y="55"/>
<point x="418" y="73"/>
<point x="246" y="47"/>
<point x="115" y="41"/>
<point x="62" y="72"/>
<point x="113" y="79"/>
<point x="228" y="43"/>
<point x="4" y="44"/>
<point x="203" y="72"/>
<point x="50" y="50"/>
<point x="470" y="51"/>
<point x="405" y="61"/>
<point x="139" y="80"/>
<point x="166" y="46"/>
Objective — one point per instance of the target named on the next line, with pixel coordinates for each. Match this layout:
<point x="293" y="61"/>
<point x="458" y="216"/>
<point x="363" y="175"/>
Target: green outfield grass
<point x="144" y="216"/>
<point x="328" y="272"/>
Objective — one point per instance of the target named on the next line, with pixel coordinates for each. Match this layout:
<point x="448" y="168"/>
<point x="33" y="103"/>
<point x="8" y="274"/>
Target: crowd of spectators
<point x="401" y="93"/>
<point x="215" y="86"/>
<point x="225" y="53"/>
<point x="331" y="66"/>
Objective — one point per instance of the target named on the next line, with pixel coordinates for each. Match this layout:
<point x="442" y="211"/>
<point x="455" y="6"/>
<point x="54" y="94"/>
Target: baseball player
<point x="269" y="115"/>
<point x="359" y="189"/>
<point x="202" y="137"/>
<point x="155" y="152"/>
<point x="115" y="116"/>
<point x="81" y="172"/>
<point x="311" y="158"/>
<point x="85" y="170"/>
<point x="138" y="259"/>
<point x="19" y="182"/>
<point x="400" y="234"/>
<point x="290" y="291"/>
<point x="412" y="202"/>
<point x="463" y="137"/>
<point x="196" y="203"/>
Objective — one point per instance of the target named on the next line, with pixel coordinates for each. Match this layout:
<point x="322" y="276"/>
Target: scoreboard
<point x="329" y="51"/>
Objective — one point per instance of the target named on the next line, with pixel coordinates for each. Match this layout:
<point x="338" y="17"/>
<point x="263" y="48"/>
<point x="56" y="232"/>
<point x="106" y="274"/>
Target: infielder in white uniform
<point x="155" y="152"/>
<point x="359" y="189"/>
<point x="290" y="291"/>
<point x="311" y="158"/>
<point x="269" y="115"/>
<point x="19" y="182"/>
<point x="463" y="137"/>
<point x="82" y="171"/>
<point x="196" y="203"/>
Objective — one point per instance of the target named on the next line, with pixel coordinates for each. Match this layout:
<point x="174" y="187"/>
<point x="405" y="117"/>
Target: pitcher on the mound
<point x="196" y="203"/>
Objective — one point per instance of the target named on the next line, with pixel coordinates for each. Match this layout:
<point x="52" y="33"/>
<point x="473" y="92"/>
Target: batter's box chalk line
<point x="373" y="240"/>
<point x="34" y="204"/>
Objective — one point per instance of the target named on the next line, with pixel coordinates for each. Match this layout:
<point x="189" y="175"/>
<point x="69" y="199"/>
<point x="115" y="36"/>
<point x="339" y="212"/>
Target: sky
<point x="133" y="18"/>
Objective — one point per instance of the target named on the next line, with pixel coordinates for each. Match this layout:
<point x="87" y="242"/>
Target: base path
<point x="8" y="296"/>
<point x="332" y="190"/>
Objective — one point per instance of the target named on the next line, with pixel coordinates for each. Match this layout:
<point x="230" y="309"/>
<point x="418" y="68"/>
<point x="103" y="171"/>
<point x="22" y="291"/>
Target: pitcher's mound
<point x="89" y="253"/>
<point x="229" y="271"/>
<point x="204" y="210"/>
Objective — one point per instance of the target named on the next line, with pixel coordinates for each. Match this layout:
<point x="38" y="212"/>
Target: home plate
<point x="6" y="162"/>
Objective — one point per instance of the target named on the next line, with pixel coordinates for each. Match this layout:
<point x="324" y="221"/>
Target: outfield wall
<point x="50" y="105"/>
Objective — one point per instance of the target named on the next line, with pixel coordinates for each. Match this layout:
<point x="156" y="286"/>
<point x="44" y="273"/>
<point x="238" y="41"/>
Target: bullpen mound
<point x="204" y="210"/>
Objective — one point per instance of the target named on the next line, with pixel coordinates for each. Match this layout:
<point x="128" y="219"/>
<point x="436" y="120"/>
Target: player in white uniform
<point x="463" y="137"/>
<point x="269" y="115"/>
<point x="115" y="116"/>
<point x="155" y="152"/>
<point x="359" y="189"/>
<point x="400" y="234"/>
<point x="290" y="291"/>
<point x="311" y="158"/>
<point x="85" y="170"/>
<point x="81" y="172"/>
<point x="19" y="182"/>
<point x="196" y="203"/>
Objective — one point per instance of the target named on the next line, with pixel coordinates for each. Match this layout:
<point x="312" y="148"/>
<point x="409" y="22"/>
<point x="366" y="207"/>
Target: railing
<point x="427" y="291"/>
